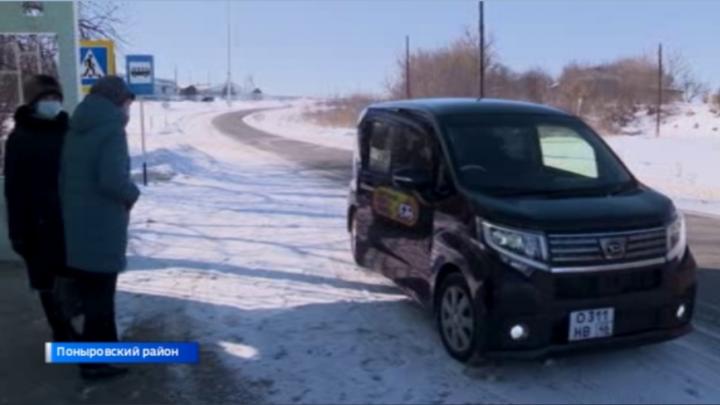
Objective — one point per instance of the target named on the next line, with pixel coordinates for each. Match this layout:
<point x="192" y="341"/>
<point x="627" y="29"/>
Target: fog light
<point x="680" y="313"/>
<point x="519" y="332"/>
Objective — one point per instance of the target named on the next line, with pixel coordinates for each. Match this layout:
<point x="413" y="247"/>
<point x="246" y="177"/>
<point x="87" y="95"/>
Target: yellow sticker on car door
<point x="397" y="206"/>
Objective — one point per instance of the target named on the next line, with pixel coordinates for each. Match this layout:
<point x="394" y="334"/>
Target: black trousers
<point x="96" y="292"/>
<point x="62" y="330"/>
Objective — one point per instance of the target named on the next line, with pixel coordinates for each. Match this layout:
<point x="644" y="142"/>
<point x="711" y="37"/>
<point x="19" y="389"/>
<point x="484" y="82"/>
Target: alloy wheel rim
<point x="456" y="319"/>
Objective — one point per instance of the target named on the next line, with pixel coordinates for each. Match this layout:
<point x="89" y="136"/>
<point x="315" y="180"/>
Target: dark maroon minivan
<point x="519" y="227"/>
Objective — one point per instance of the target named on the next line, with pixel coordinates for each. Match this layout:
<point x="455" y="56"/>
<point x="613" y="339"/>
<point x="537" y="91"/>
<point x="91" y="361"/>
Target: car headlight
<point x="517" y="247"/>
<point x="676" y="238"/>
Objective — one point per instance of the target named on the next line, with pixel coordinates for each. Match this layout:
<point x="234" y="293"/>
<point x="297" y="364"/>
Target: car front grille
<point x="606" y="284"/>
<point x="604" y="248"/>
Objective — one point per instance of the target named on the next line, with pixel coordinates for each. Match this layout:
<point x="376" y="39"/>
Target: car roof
<point x="453" y="106"/>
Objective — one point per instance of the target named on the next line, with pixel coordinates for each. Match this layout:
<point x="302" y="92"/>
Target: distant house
<point x="189" y="91"/>
<point x="221" y="90"/>
<point x="164" y="87"/>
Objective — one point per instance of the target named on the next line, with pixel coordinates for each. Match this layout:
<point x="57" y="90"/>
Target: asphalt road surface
<point x="335" y="164"/>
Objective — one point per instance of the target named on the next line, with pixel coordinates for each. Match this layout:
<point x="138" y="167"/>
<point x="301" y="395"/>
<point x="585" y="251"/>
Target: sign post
<point x="140" y="70"/>
<point x="97" y="60"/>
<point x="142" y="137"/>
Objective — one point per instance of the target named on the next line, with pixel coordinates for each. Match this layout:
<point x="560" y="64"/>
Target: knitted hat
<point x="114" y="89"/>
<point x="38" y="86"/>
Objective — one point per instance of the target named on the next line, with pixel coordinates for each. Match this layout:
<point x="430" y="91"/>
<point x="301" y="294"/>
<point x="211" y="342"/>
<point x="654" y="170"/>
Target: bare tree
<point x="451" y="71"/>
<point x="683" y="77"/>
<point x="100" y="19"/>
<point x="536" y="84"/>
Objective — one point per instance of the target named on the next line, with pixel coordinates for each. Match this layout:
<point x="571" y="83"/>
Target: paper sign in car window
<point x="397" y="206"/>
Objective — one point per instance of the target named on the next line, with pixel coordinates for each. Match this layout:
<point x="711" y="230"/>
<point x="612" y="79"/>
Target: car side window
<point x="379" y="144"/>
<point x="412" y="149"/>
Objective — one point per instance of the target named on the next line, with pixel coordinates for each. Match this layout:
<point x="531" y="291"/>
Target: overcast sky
<point x="329" y="47"/>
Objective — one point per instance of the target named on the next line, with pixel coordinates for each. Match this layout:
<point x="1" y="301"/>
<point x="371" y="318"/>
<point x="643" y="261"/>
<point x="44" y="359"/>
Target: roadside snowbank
<point x="684" y="168"/>
<point x="685" y="120"/>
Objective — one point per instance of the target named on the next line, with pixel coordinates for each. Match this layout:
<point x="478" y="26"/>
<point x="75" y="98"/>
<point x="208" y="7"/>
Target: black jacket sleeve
<point x="16" y="196"/>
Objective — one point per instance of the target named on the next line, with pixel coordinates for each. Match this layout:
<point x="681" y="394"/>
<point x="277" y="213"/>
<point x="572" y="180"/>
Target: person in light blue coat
<point x="97" y="194"/>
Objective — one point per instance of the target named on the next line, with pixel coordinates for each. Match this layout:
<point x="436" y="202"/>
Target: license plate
<point x="591" y="324"/>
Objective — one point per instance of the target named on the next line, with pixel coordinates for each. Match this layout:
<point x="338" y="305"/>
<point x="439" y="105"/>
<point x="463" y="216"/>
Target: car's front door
<point x="374" y="171"/>
<point x="402" y="216"/>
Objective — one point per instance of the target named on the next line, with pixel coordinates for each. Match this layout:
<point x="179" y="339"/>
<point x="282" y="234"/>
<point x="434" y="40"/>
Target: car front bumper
<point x="586" y="346"/>
<point x="645" y="303"/>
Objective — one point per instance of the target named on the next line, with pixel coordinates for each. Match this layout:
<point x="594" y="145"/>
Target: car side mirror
<point x="412" y="179"/>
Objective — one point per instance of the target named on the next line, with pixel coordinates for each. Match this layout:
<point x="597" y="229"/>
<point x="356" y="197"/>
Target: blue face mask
<point x="48" y="109"/>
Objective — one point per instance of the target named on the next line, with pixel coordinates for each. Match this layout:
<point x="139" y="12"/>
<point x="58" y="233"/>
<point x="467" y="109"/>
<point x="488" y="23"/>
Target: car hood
<point x="640" y="208"/>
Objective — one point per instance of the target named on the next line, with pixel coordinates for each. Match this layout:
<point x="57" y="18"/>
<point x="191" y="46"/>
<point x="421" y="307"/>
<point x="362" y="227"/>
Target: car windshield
<point x="529" y="154"/>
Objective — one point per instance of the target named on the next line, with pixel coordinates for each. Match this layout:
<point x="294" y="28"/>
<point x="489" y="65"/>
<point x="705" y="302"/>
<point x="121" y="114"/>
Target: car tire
<point x="355" y="242"/>
<point x="459" y="321"/>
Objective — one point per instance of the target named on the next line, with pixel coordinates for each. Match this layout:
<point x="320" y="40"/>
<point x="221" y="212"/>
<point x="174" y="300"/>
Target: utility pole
<point x="228" y="88"/>
<point x="481" y="45"/>
<point x="176" y="81"/>
<point x="660" y="89"/>
<point x="408" y="94"/>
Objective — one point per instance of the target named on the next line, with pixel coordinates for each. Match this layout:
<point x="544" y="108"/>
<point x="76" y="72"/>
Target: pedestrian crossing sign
<point x="97" y="60"/>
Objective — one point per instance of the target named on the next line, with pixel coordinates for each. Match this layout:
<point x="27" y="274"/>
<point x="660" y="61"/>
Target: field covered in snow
<point x="683" y="162"/>
<point x="248" y="255"/>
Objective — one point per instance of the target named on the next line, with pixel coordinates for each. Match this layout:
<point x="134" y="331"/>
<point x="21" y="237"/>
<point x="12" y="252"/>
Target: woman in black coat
<point x="32" y="165"/>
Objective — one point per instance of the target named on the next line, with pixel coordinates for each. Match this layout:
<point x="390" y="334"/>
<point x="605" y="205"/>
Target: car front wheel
<point x="354" y="242"/>
<point x="458" y="320"/>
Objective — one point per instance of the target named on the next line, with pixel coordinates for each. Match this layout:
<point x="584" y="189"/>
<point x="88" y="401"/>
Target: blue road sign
<point x="141" y="74"/>
<point x="94" y="64"/>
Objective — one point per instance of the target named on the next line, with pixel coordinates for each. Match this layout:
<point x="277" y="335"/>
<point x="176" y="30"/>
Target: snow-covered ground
<point x="682" y="163"/>
<point x="248" y="255"/>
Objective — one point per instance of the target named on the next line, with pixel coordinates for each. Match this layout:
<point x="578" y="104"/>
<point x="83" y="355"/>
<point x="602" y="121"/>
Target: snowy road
<point x="246" y="252"/>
